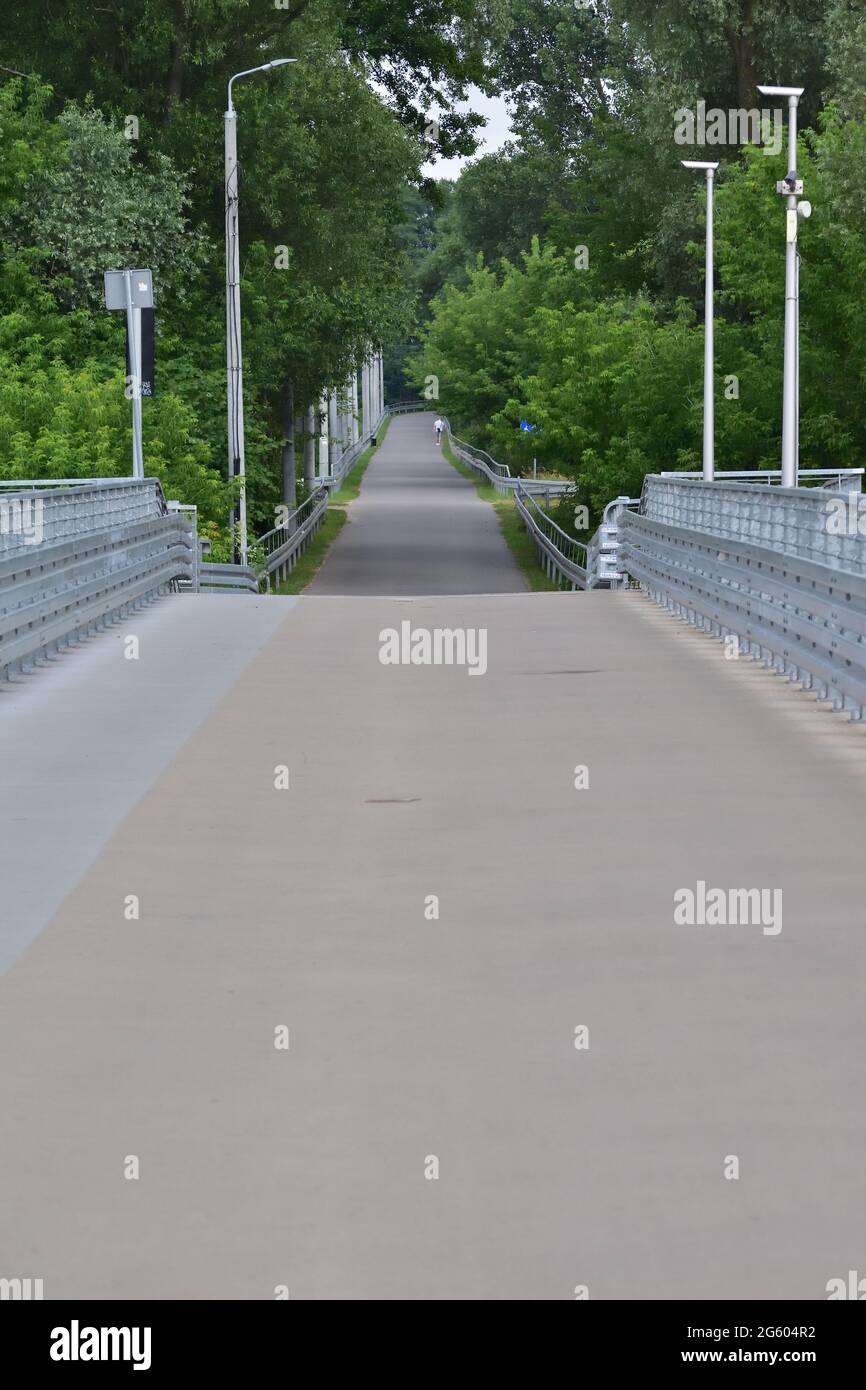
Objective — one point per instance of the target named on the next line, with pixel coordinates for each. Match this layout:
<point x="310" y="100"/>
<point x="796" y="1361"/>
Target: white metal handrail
<point x="563" y="557"/>
<point x="281" y="535"/>
<point x="841" y="478"/>
<point x="499" y="474"/>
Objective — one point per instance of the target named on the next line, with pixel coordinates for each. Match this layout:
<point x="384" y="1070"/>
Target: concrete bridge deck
<point x="409" y="1037"/>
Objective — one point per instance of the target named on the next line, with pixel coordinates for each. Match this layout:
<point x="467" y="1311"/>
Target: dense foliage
<point x="557" y="280"/>
<point x="111" y="122"/>
<point x="565" y="277"/>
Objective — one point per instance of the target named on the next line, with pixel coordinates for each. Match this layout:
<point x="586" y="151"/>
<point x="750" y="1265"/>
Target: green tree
<point x="95" y="207"/>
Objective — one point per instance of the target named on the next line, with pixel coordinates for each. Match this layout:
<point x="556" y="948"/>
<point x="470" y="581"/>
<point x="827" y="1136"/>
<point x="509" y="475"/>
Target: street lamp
<point x="234" y="368"/>
<point x="790" y="188"/>
<point x="709" y="393"/>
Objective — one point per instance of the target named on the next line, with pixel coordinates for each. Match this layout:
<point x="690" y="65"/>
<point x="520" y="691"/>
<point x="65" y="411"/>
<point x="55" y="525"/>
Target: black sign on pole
<point x="148" y="351"/>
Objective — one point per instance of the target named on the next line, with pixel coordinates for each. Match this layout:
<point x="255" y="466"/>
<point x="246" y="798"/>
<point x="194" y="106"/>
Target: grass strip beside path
<point x="515" y="534"/>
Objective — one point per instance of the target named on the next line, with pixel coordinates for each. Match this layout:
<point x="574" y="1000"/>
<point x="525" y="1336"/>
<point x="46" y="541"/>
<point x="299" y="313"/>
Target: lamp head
<point x="781" y="91"/>
<point x="248" y="72"/>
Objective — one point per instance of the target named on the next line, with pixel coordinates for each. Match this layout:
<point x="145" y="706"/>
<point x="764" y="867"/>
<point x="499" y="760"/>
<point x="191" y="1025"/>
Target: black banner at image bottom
<point x="160" y="1339"/>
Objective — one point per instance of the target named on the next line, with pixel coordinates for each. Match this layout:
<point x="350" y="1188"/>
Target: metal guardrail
<point x="227" y="578"/>
<point x="740" y="507"/>
<point x="605" y="567"/>
<point x="349" y="457"/>
<point x="782" y="571"/>
<point x="791" y="521"/>
<point x="190" y="512"/>
<point x="35" y="512"/>
<point x="407" y="407"/>
<point x="805" y="620"/>
<point x="562" y="557"/>
<point x="44" y="484"/>
<point x="285" y="544"/>
<point x="796" y="522"/>
<point x="575" y="564"/>
<point x="94" y="561"/>
<point x="499" y="474"/>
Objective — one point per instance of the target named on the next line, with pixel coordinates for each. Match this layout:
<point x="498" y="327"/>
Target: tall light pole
<point x="797" y="373"/>
<point x="709" y="384"/>
<point x="234" y="365"/>
<point x="790" y="187"/>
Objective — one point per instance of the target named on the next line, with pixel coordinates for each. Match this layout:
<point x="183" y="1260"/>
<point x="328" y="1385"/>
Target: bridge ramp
<point x="413" y="1037"/>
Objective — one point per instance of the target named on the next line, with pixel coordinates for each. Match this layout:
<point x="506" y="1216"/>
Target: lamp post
<point x="709" y="385"/>
<point x="234" y="365"/>
<point x="790" y="188"/>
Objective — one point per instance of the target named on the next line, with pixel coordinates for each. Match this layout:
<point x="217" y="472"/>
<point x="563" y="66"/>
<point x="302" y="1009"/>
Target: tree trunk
<point x="178" y="57"/>
<point x="742" y="45"/>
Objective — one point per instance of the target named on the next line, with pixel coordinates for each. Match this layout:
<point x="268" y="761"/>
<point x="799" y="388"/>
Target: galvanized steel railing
<point x="840" y="479"/>
<point x="285" y="544"/>
<point x="60" y="508"/>
<point x="562" y="557"/>
<point x="792" y="521"/>
<point x="228" y="578"/>
<point x="407" y="407"/>
<point x="349" y="457"/>
<point x="88" y="552"/>
<point x="499" y="474"/>
<point x="779" y="571"/>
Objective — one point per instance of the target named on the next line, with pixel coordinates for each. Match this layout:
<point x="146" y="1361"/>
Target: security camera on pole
<point x="791" y="189"/>
<point x="234" y="367"/>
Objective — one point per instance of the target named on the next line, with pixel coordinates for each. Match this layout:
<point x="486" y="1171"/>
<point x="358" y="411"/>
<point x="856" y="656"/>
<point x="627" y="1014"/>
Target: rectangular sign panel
<point x="115" y="289"/>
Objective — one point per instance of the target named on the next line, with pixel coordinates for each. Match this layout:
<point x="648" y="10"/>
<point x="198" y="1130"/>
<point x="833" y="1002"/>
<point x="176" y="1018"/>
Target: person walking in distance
<point x="438" y="426"/>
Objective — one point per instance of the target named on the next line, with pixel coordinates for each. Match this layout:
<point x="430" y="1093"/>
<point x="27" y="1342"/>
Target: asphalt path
<point x="417" y="527"/>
